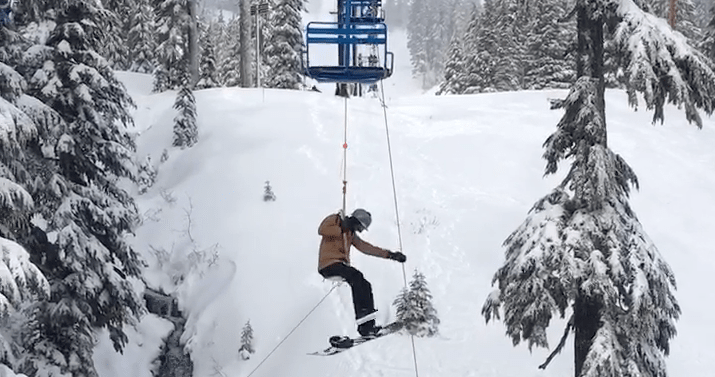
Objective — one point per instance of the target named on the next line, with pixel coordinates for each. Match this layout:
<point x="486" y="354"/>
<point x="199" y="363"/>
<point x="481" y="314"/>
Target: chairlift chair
<point x="360" y="26"/>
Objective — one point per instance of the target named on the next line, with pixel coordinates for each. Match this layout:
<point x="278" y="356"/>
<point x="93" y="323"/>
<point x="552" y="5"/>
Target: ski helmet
<point x="363" y="217"/>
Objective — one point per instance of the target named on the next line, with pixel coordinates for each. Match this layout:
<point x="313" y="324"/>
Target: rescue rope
<point x="293" y="330"/>
<point x="397" y="211"/>
<point x="345" y="172"/>
<point x="345" y="158"/>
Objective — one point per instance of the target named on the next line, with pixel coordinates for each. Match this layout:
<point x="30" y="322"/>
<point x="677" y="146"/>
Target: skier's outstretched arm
<point x="369" y="249"/>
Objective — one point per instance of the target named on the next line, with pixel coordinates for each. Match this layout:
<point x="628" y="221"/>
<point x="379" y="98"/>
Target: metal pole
<point x="258" y="49"/>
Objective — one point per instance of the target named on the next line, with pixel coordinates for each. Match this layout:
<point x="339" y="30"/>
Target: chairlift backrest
<point x="360" y="25"/>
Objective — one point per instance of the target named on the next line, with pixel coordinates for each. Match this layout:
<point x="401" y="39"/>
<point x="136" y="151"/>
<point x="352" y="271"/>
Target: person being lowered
<point x="339" y="234"/>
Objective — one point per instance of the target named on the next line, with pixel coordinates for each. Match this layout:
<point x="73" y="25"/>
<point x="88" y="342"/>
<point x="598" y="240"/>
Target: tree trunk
<point x="246" y="45"/>
<point x="587" y="320"/>
<point x="589" y="63"/>
<point x="589" y="59"/>
<point x="672" y="12"/>
<point x="193" y="58"/>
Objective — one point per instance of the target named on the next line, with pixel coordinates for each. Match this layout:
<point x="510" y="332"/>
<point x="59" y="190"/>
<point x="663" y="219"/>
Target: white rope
<point x="397" y="210"/>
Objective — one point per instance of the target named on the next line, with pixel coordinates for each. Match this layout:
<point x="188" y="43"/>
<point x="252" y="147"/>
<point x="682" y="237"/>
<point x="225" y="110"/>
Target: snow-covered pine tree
<point x="17" y="131"/>
<point x="246" y="349"/>
<point x="547" y="42"/>
<point x="685" y="17"/>
<point x="511" y="26"/>
<point x="22" y="283"/>
<point x="162" y="81"/>
<point x="172" y="32"/>
<point x="454" y="69"/>
<point x="146" y="175"/>
<point x="415" y="310"/>
<point x="429" y="33"/>
<point x="186" y="132"/>
<point x="709" y="39"/>
<point x="208" y="76"/>
<point x="284" y="46"/>
<point x="116" y="47"/>
<point x="87" y="259"/>
<point x="582" y="249"/>
<point x="481" y="62"/>
<point x="141" y="39"/>
<point x="19" y="278"/>
<point x="230" y="68"/>
<point x="417" y="36"/>
<point x="247" y="47"/>
<point x="268" y="195"/>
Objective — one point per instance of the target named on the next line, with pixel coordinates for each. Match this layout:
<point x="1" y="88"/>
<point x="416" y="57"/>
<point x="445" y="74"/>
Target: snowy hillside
<point x="467" y="168"/>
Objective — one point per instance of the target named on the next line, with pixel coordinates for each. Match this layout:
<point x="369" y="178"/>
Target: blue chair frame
<point x="359" y="24"/>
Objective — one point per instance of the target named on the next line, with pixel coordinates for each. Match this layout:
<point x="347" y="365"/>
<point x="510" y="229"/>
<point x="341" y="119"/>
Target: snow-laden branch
<point x="659" y="63"/>
<point x="19" y="278"/>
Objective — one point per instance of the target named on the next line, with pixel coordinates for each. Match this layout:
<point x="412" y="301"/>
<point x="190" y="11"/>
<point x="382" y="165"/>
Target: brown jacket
<point x="332" y="246"/>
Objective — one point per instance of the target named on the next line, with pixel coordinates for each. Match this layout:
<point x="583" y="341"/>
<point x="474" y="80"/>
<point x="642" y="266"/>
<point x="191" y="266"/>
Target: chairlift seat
<point x="363" y="75"/>
<point x="347" y="37"/>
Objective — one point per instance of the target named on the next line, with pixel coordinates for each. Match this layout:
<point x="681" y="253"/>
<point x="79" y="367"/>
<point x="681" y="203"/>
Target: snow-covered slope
<point x="468" y="168"/>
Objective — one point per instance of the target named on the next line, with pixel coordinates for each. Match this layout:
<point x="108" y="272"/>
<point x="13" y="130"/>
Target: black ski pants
<point x="363" y="301"/>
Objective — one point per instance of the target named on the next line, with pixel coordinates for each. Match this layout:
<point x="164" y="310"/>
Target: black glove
<point x="397" y="256"/>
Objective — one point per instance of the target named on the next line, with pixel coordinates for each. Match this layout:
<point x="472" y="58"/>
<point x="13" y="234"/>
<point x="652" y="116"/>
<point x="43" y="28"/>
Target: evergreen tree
<point x="21" y="281"/>
<point x="582" y="249"/>
<point x="219" y="39"/>
<point x="481" y="63"/>
<point x="116" y="45"/>
<point x="141" y="39"/>
<point x="208" y="72"/>
<point x="247" y="349"/>
<point x="231" y="63"/>
<point x="247" y="48"/>
<point x="186" y="133"/>
<point x="685" y="16"/>
<point x="162" y="81"/>
<point x="429" y="33"/>
<point x="547" y="43"/>
<point x="507" y="49"/>
<point x="453" y="71"/>
<point x="172" y="31"/>
<point x="415" y="310"/>
<point x="86" y="149"/>
<point x="702" y="13"/>
<point x="284" y="46"/>
<point x="268" y="195"/>
<point x="709" y="40"/>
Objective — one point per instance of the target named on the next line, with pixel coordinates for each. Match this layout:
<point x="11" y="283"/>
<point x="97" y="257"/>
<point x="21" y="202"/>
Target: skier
<point x="334" y="261"/>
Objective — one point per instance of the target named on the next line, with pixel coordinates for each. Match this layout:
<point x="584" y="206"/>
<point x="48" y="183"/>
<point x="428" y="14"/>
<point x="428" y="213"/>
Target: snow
<point x="7" y="372"/>
<point x="467" y="168"/>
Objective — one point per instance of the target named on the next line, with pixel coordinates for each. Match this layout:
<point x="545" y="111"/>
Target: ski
<point x="340" y="343"/>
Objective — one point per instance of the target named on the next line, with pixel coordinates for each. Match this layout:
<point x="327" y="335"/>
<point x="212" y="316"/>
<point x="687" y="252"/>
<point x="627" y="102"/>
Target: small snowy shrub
<point x="147" y="175"/>
<point x="268" y="195"/>
<point x="415" y="310"/>
<point x="246" y="342"/>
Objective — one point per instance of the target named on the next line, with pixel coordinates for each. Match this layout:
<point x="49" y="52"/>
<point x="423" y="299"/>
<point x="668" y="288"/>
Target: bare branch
<point x="562" y="342"/>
